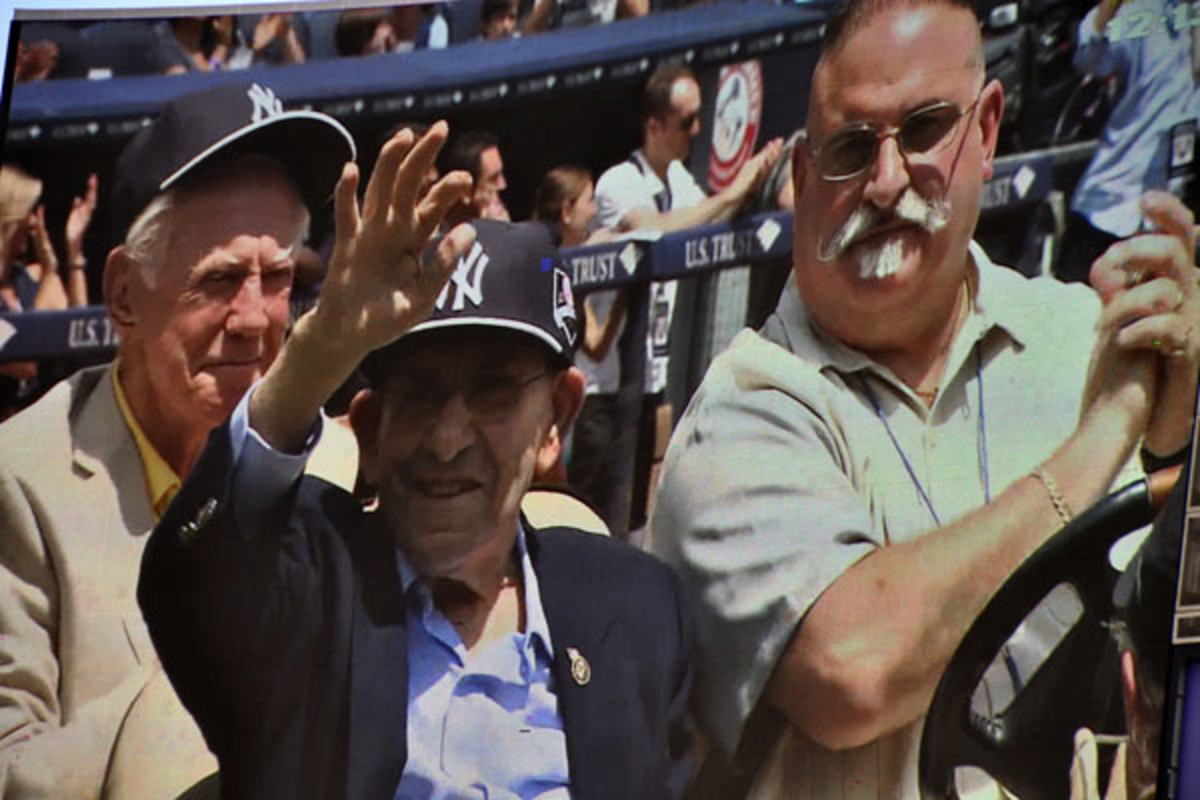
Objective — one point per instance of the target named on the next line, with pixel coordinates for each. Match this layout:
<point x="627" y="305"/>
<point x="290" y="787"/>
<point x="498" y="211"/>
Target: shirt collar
<point x="536" y="627"/>
<point x="653" y="183"/>
<point x="161" y="481"/>
<point x="995" y="307"/>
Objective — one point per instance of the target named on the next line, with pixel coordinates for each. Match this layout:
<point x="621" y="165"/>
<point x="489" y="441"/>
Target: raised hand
<point x="381" y="282"/>
<point x="270" y="27"/>
<point x="79" y="219"/>
<point x="754" y="171"/>
<point x="1149" y="285"/>
<point x="378" y="284"/>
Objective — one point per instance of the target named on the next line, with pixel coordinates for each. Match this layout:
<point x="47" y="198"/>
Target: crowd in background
<point x="70" y="49"/>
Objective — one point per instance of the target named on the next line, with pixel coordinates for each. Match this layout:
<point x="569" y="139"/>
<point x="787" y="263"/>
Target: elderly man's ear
<point x="566" y="400"/>
<point x="365" y="413"/>
<point x="990" y="111"/>
<point x="118" y="270"/>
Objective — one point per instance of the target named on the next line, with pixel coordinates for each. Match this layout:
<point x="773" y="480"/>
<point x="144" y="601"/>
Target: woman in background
<point x="29" y="267"/>
<point x="564" y="202"/>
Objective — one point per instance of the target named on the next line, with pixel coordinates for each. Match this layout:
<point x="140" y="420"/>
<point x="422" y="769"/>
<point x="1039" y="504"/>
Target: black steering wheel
<point x="1027" y="747"/>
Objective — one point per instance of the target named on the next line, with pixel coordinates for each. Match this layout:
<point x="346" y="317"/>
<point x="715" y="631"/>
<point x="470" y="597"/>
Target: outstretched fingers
<point x="345" y="220"/>
<point x="415" y="166"/>
<point x="441" y="262"/>
<point x="93" y="191"/>
<point x="444" y="194"/>
<point x="379" y="188"/>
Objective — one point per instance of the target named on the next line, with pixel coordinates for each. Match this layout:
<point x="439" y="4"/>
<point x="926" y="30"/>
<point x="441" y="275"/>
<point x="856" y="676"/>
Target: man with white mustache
<point x="852" y="483"/>
<point x="883" y="260"/>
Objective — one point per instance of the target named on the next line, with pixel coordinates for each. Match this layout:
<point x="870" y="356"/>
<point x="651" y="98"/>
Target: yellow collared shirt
<point x="161" y="481"/>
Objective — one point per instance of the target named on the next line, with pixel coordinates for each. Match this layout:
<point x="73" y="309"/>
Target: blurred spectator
<point x="29" y="267"/>
<point x="274" y="38"/>
<point x="35" y="61"/>
<point x="27" y="284"/>
<point x="226" y="42"/>
<point x="564" y="201"/>
<point x="653" y="190"/>
<point x="120" y="47"/>
<point x="552" y="14"/>
<point x="198" y="44"/>
<point x="49" y="50"/>
<point x="371" y="31"/>
<point x="1134" y="150"/>
<point x="477" y="152"/>
<point x="497" y="19"/>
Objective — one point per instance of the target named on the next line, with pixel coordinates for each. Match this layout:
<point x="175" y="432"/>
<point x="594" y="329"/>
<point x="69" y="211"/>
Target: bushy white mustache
<point x="884" y="260"/>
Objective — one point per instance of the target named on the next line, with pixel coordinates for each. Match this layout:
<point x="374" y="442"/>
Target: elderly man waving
<point x="439" y="645"/>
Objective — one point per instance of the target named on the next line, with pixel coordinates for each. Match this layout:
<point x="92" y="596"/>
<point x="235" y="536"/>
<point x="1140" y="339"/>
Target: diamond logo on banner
<point x="1024" y="179"/>
<point x="768" y="233"/>
<point x="629" y="258"/>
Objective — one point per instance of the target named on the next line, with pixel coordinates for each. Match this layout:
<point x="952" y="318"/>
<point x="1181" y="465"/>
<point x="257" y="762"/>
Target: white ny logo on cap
<point x="266" y="104"/>
<point x="468" y="278"/>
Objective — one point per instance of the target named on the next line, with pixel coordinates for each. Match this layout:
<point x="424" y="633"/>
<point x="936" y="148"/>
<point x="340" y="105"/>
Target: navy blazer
<point x="285" y="640"/>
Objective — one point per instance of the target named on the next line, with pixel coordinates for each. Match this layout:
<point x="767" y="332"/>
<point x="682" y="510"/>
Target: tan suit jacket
<point x="75" y="656"/>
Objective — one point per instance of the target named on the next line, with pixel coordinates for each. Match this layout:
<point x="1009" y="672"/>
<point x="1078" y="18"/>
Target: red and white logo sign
<point x="736" y="122"/>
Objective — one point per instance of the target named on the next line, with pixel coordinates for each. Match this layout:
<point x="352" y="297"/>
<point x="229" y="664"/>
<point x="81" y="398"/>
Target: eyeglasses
<point x="924" y="132"/>
<point x="688" y="120"/>
<point x="488" y="395"/>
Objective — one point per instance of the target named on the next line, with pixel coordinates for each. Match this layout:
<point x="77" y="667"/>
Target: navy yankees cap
<point x="511" y="279"/>
<point x="196" y="129"/>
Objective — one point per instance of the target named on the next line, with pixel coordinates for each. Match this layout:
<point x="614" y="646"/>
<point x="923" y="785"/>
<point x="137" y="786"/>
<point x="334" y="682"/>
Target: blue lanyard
<point x="981" y="439"/>
<point x="1010" y="663"/>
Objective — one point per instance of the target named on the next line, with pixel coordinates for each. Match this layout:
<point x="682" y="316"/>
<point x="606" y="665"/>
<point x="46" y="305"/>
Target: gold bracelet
<point x="1056" y="498"/>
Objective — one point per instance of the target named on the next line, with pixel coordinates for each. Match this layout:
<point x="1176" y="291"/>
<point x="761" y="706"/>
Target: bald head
<point x="851" y="16"/>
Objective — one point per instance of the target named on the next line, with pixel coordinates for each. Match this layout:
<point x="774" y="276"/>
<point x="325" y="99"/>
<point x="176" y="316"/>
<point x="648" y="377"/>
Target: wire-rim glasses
<point x="924" y="132"/>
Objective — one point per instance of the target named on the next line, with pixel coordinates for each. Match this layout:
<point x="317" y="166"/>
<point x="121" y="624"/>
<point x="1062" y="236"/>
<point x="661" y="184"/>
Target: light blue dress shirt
<point x="1158" y="92"/>
<point x="482" y="725"/>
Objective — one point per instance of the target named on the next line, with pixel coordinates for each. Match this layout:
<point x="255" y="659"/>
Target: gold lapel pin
<point x="581" y="670"/>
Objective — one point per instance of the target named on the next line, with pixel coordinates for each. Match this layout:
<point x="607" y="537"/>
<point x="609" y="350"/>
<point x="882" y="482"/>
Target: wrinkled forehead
<point x="232" y="208"/>
<point x="896" y="61"/>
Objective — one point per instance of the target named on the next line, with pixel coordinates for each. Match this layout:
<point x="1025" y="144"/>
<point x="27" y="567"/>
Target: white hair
<point x="146" y="241"/>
